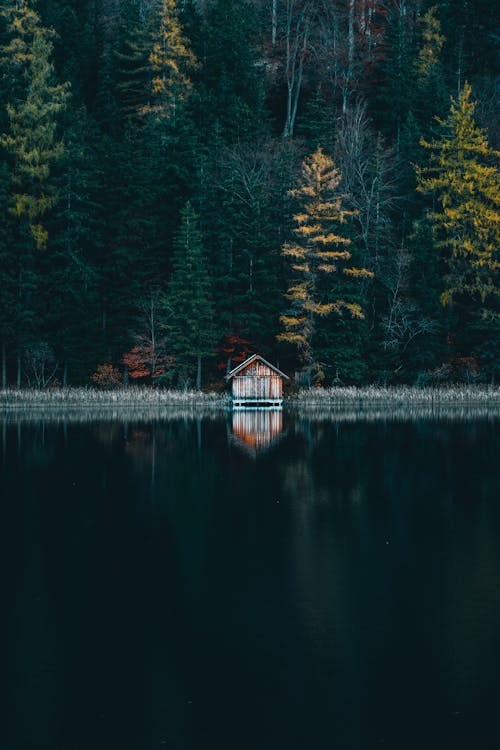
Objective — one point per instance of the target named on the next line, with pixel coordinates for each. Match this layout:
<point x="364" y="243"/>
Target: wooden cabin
<point x="256" y="382"/>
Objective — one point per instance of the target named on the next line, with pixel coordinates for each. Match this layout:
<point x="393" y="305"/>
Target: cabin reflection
<point x="256" y="430"/>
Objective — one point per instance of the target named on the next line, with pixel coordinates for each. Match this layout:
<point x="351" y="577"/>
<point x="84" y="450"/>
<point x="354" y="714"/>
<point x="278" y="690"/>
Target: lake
<point x="263" y="581"/>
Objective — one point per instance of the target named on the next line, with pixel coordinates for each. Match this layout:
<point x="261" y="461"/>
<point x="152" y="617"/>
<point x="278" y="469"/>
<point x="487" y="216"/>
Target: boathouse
<point x="256" y="382"/>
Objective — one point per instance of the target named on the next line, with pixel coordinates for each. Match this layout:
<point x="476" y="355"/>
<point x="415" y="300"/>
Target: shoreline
<point x="137" y="396"/>
<point x="397" y="396"/>
<point x="339" y="404"/>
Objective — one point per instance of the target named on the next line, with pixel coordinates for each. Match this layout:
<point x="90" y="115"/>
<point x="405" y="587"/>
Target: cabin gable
<point x="260" y="365"/>
<point x="256" y="382"/>
<point x="256" y="369"/>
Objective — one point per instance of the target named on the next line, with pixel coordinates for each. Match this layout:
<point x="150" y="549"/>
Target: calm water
<point x="266" y="585"/>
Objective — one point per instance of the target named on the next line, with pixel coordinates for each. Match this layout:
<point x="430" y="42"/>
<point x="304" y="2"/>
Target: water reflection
<point x="255" y="430"/>
<point x="175" y="583"/>
<point x="328" y="413"/>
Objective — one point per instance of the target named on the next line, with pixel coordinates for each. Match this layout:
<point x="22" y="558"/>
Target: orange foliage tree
<point x="145" y="361"/>
<point x="107" y="376"/>
<point x="233" y="350"/>
<point x="149" y="358"/>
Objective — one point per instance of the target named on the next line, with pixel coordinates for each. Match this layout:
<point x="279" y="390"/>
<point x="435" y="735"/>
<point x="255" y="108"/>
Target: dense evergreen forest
<point x="184" y="183"/>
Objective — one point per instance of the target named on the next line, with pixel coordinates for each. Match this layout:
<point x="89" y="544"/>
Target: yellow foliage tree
<point x="317" y="251"/>
<point x="21" y="22"/>
<point x="32" y="140"/>
<point x="172" y="62"/>
<point x="432" y="42"/>
<point x="464" y="180"/>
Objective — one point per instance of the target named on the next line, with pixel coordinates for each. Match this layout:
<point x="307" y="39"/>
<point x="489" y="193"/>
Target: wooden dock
<point x="248" y="403"/>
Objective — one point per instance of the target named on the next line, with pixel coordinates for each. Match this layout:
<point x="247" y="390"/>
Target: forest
<point x="186" y="182"/>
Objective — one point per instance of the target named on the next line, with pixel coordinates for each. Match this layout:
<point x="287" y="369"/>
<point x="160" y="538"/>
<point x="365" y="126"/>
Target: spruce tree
<point x="394" y="98"/>
<point x="131" y="62"/>
<point x="70" y="267"/>
<point x="189" y="301"/>
<point x="243" y="243"/>
<point x="231" y="90"/>
<point x="7" y="274"/>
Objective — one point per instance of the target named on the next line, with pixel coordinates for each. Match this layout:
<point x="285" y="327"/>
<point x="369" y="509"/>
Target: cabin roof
<point x="247" y="362"/>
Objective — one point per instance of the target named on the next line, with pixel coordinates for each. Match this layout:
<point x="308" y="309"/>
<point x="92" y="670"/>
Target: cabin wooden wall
<point x="258" y="369"/>
<point x="265" y="388"/>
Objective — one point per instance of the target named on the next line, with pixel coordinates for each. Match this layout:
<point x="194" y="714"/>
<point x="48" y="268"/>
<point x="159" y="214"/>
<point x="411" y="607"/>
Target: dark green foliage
<point x="7" y="268"/>
<point x="133" y="74"/>
<point x="71" y="265"/>
<point x="425" y="286"/>
<point x="395" y="95"/>
<point x="317" y="123"/>
<point x="188" y="302"/>
<point x="99" y="181"/>
<point x="231" y="92"/>
<point x="240" y="214"/>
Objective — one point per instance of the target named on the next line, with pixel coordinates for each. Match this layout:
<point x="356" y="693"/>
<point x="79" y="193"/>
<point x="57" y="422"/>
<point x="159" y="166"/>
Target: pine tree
<point x="465" y="184"/>
<point x="189" y="301"/>
<point x="425" y="286"/>
<point x="231" y="91"/>
<point x="7" y="274"/>
<point x="69" y="268"/>
<point x="316" y="124"/>
<point x="396" y="91"/>
<point x="132" y="64"/>
<point x="317" y="252"/>
<point x="242" y="239"/>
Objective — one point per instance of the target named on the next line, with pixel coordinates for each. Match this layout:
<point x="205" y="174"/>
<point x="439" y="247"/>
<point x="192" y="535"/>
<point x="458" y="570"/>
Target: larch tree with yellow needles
<point x="172" y="62"/>
<point x="463" y="179"/>
<point x="317" y="251"/>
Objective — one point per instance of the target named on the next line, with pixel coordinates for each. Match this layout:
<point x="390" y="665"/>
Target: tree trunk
<point x="350" y="53"/>
<point x="350" y="58"/>
<point x="198" y="375"/>
<point x="274" y="22"/>
<point x="65" y="375"/>
<point x="309" y="374"/>
<point x="18" y="377"/>
<point x="4" y="366"/>
<point x="4" y="441"/>
<point x="297" y="37"/>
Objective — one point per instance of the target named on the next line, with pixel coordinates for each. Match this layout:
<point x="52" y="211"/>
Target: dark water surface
<point x="196" y="584"/>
